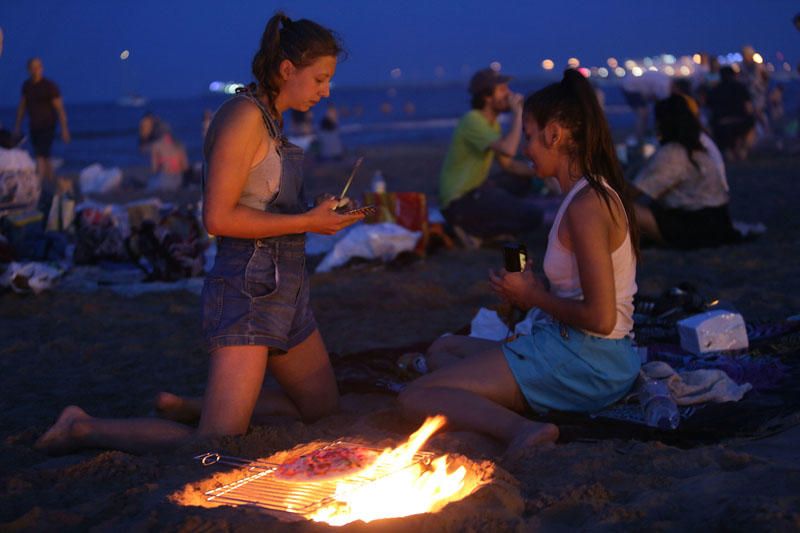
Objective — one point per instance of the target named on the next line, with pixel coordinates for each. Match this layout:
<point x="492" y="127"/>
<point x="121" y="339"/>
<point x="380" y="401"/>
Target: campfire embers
<point x="397" y="482"/>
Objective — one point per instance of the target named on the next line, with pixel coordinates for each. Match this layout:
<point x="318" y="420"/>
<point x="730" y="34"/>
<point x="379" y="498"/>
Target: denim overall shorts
<point x="257" y="293"/>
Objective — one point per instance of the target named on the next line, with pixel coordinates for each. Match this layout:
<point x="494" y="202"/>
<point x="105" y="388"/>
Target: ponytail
<point x="300" y="41"/>
<point x="573" y="104"/>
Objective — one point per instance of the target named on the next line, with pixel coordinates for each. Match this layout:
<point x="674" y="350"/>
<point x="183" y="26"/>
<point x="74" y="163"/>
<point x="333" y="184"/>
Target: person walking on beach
<point x="256" y="310"/>
<point x="580" y="359"/>
<point x="42" y="100"/>
<point x="476" y="205"/>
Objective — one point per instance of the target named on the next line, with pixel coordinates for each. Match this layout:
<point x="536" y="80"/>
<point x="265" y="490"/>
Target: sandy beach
<point x="111" y="355"/>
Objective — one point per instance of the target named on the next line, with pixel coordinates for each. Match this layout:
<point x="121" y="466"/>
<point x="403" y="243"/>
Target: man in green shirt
<point x="471" y="201"/>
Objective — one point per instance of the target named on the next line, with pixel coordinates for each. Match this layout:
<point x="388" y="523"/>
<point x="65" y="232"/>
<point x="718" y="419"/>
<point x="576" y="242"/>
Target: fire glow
<point x="400" y="481"/>
<point x="411" y="488"/>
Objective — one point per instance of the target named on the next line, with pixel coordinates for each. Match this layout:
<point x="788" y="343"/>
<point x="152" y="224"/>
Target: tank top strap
<point x="580" y="184"/>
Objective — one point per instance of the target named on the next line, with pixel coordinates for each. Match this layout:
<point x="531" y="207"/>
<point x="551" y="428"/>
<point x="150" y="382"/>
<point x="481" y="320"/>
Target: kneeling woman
<point x="256" y="310"/>
<point x="581" y="360"/>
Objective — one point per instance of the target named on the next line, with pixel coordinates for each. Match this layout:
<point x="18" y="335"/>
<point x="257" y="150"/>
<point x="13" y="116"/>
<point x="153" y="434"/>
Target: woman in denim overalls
<point x="256" y="298"/>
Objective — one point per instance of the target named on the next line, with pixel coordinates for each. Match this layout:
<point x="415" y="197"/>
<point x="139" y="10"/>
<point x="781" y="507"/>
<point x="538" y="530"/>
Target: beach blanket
<point x="771" y="365"/>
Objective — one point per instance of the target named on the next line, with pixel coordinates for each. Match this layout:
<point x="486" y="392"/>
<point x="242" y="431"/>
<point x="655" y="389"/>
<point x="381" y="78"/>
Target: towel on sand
<point x="696" y="386"/>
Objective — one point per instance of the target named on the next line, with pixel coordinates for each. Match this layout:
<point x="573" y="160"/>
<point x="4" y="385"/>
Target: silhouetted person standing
<point x="41" y="98"/>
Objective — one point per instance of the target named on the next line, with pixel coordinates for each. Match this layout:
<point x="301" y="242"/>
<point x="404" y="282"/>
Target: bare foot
<point x="62" y="438"/>
<point x="176" y="408"/>
<point x="535" y="434"/>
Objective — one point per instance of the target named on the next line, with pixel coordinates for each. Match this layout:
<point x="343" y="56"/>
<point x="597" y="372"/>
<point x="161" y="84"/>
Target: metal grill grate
<point x="261" y="489"/>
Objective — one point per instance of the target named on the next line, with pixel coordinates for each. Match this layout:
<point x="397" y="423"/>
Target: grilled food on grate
<point x="326" y="464"/>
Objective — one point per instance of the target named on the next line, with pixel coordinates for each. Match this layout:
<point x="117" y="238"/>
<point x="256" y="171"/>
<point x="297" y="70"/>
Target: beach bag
<point x="98" y="238"/>
<point x="171" y="249"/>
<point x="20" y="186"/>
<point x="406" y="209"/>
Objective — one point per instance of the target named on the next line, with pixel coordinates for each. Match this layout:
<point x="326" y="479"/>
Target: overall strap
<point x="272" y="128"/>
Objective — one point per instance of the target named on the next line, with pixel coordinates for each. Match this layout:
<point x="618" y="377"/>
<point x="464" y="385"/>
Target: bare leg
<point x="306" y="377"/>
<point x="234" y="381"/>
<point x="454" y="348"/>
<point x="308" y="374"/>
<point x="478" y="394"/>
<point x="647" y="223"/>
<point x="186" y="409"/>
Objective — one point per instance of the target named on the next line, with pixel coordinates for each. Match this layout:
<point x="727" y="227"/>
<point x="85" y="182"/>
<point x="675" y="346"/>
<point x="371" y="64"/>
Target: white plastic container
<point x="713" y="331"/>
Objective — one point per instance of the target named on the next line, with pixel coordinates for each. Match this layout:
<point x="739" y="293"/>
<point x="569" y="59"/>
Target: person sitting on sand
<point x="476" y="205"/>
<point x="168" y="163"/>
<point x="581" y="359"/>
<point x="256" y="298"/>
<point x="685" y="182"/>
<point x="149" y="131"/>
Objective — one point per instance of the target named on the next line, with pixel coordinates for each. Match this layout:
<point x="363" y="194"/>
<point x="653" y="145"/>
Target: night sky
<point x="178" y="46"/>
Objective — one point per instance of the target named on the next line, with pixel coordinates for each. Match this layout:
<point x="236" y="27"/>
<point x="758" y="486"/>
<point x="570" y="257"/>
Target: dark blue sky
<point x="178" y="46"/>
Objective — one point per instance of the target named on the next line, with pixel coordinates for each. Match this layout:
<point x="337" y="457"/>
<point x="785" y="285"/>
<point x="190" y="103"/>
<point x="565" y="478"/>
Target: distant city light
<point x="548" y="64"/>
<point x="697" y="58"/>
<point x="612" y="62"/>
<point x="396" y="73"/>
<point x="629" y="64"/>
<point x="495" y="66"/>
<point x="231" y="88"/>
<point x="637" y="71"/>
<point x="647" y="62"/>
<point x="669" y="59"/>
<point x="685" y="70"/>
<point x="573" y="62"/>
<point x="757" y="58"/>
<point x="669" y="71"/>
<point x="124" y="54"/>
<point x="602" y="72"/>
<point x="585" y="72"/>
<point x="652" y="68"/>
<point x="227" y="87"/>
<point x="619" y="71"/>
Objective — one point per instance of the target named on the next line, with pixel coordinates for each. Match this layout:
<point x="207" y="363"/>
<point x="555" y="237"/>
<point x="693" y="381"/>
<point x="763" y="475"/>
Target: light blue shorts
<point x="562" y="368"/>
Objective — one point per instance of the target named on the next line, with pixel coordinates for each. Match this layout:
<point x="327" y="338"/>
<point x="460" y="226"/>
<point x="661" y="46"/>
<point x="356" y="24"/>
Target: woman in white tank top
<point x="582" y="359"/>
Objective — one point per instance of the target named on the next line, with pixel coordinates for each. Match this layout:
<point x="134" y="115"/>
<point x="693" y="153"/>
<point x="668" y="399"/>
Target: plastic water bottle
<point x="378" y="183"/>
<point x="660" y="410"/>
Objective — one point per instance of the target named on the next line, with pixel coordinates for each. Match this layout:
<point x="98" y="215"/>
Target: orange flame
<point x="411" y="488"/>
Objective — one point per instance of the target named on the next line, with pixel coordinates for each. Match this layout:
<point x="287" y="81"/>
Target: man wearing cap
<point x="473" y="203"/>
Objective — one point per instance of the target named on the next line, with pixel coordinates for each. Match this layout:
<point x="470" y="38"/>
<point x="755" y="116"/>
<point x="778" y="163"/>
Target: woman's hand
<point x="520" y="289"/>
<point x="323" y="219"/>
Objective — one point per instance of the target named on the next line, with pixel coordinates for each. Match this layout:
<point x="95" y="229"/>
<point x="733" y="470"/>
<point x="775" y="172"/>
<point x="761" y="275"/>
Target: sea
<point x="106" y="132"/>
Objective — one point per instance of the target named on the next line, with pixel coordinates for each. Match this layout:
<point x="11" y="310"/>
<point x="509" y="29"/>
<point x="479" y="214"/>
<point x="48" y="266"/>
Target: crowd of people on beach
<point x="256" y="313"/>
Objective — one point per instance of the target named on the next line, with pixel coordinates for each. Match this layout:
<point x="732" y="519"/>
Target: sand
<point x="111" y="355"/>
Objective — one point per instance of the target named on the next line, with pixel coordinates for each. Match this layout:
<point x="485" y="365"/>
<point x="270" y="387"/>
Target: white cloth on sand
<point x="696" y="386"/>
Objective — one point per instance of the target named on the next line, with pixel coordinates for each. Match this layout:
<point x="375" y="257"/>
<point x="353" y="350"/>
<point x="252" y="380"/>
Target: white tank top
<point x="561" y="269"/>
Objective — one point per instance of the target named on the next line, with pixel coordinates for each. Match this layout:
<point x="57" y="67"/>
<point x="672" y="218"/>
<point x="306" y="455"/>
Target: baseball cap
<point x="486" y="80"/>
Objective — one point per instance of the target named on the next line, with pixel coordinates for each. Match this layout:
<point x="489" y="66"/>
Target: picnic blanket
<point x="771" y="365"/>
